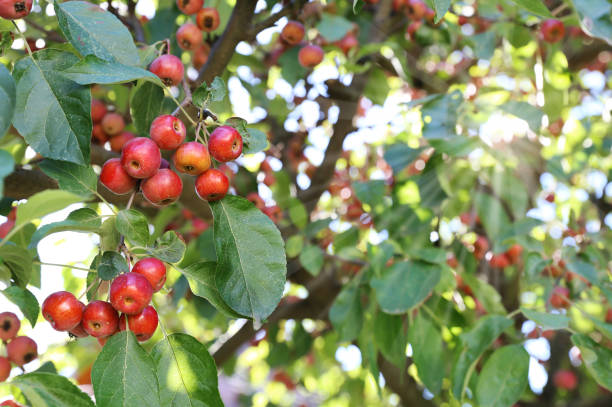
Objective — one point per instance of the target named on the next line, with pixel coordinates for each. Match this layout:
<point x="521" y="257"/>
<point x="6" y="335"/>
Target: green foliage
<point x="51" y="390"/>
<point x="503" y="378"/>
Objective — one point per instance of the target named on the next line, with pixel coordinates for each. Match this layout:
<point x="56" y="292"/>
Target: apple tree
<point x="306" y="203"/>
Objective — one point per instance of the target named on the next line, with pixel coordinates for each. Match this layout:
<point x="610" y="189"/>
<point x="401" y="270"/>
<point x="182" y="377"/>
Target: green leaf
<point x="187" y="373"/>
<point x="168" y="248"/>
<point x="216" y="92"/>
<point x="492" y="214"/>
<point x="145" y="105"/>
<point x="297" y="213"/>
<point x="439" y="115"/>
<point x="92" y="69"/>
<point x="389" y="337"/>
<point x="78" y="179"/>
<point x="427" y="352"/>
<point x="595" y="18"/>
<point x="346" y="313"/>
<point x="333" y="27"/>
<point x="486" y="294"/>
<point x="19" y="262"/>
<point x="254" y="141"/>
<point x="377" y="88"/>
<point x="534" y="6"/>
<point x="251" y="259"/>
<point x="44" y="203"/>
<point x="596" y="358"/>
<point x="124" y="374"/>
<point x="399" y="156"/>
<point x="440" y="7"/>
<point x="94" y="31"/>
<point x="51" y="390"/>
<point x="61" y="126"/>
<point x="405" y="285"/>
<point x="473" y="345"/>
<point x="134" y="226"/>
<point x="111" y="265"/>
<point x="503" y="378"/>
<point x="523" y="110"/>
<point x="294" y="245"/>
<point x="348" y="238"/>
<point x="584" y="269"/>
<point x="109" y="237"/>
<point x="80" y="220"/>
<point x="7" y="165"/>
<point x="311" y="258"/>
<point x="546" y="320"/>
<point x="201" y="277"/>
<point x="291" y="69"/>
<point x="370" y="192"/>
<point x="357" y="6"/>
<point x="47" y="367"/>
<point x="7" y="101"/>
<point x="25" y="300"/>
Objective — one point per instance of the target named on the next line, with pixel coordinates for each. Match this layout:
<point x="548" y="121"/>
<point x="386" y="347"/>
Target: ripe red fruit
<point x="163" y="188"/>
<point x="310" y="56"/>
<point x="9" y="326"/>
<point x="154" y="270"/>
<point x="212" y="185"/>
<point x="130" y="293"/>
<point x="514" y="253"/>
<point x="100" y="319"/>
<point x="398" y="5"/>
<point x="63" y="310"/>
<point x="112" y="124"/>
<point x="609" y="316"/>
<point x="98" y="135"/>
<point x="6" y="227"/>
<point x="552" y="30"/>
<point x="168" y="68"/>
<point x="480" y="247"/>
<point x="79" y="331"/>
<point x="141" y="157"/>
<point x="115" y="178"/>
<point x="98" y="110"/>
<point x="225" y="144"/>
<point x="348" y="42"/>
<point x="208" y="19"/>
<point x="189" y="6"/>
<point x="117" y="142"/>
<point x="15" y="9"/>
<point x="565" y="379"/>
<point x="168" y="132"/>
<point x="292" y="33"/>
<point x="143" y="325"/>
<point x="10" y="403"/>
<point x="550" y="197"/>
<point x="499" y="261"/>
<point x="188" y="36"/>
<point x="22" y="350"/>
<point x="560" y="297"/>
<point x="553" y="270"/>
<point x="191" y="158"/>
<point x="416" y="9"/>
<point x="200" y="56"/>
<point x="5" y="368"/>
<point x="256" y="199"/>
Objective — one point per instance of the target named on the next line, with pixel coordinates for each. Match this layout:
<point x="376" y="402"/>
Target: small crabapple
<point x="63" y="310"/>
<point x="141" y="157"/>
<point x="168" y="68"/>
<point x="225" y="144"/>
<point x="130" y="293"/>
<point x="163" y="188"/>
<point x="143" y="325"/>
<point x="212" y="185"/>
<point x="208" y="19"/>
<point x="9" y="326"/>
<point x="100" y="319"/>
<point x="22" y="350"/>
<point x="153" y="270"/>
<point x="115" y="178"/>
<point x="168" y="132"/>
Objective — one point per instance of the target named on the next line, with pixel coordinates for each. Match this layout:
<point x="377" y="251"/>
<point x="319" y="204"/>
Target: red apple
<point x="15" y="9"/>
<point x="130" y="293"/>
<point x="5" y="368"/>
<point x="62" y="310"/>
<point x="141" y="157"/>
<point x="98" y="110"/>
<point x="6" y="227"/>
<point x="163" y="188"/>
<point x="169" y="69"/>
<point x="208" y="19"/>
<point x="168" y="132"/>
<point x="560" y="297"/>
<point x="514" y="253"/>
<point x="117" y="142"/>
<point x="22" y="350"/>
<point x="112" y="124"/>
<point x="552" y="30"/>
<point x="191" y="158"/>
<point x="200" y="56"/>
<point x="499" y="261"/>
<point x="9" y="326"/>
<point x="293" y="32"/>
<point x="416" y="9"/>
<point x="115" y="178"/>
<point x="481" y="246"/>
<point x="143" y="325"/>
<point x="348" y="42"/>
<point x="153" y="270"/>
<point x="189" y="36"/>
<point x="79" y="332"/>
<point x="212" y="185"/>
<point x="225" y="144"/>
<point x="565" y="379"/>
<point x="310" y="56"/>
<point x="100" y="319"/>
<point x="189" y="6"/>
<point x="98" y="136"/>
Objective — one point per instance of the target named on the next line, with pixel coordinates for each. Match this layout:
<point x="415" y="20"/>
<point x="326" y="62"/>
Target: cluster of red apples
<point x="20" y="350"/>
<point x="141" y="163"/>
<point x="130" y="295"/>
<point x="108" y="126"/>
